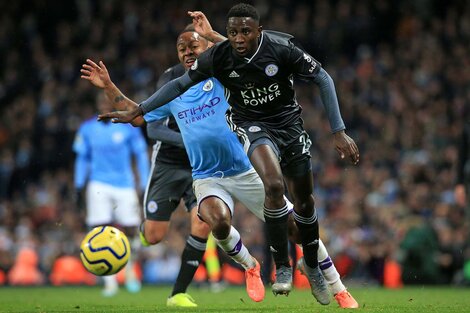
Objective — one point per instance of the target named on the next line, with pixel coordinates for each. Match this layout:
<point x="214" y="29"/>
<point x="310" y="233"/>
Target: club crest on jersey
<point x="152" y="207"/>
<point x="208" y="85"/>
<point x="271" y="69"/>
<point x="194" y="66"/>
<point x="254" y="129"/>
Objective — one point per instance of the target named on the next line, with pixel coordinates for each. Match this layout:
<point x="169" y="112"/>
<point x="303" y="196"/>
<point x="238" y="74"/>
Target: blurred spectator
<point x="69" y="270"/>
<point x="25" y="270"/>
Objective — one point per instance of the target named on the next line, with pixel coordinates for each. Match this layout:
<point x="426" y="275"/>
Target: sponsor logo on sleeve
<point x="152" y="207"/>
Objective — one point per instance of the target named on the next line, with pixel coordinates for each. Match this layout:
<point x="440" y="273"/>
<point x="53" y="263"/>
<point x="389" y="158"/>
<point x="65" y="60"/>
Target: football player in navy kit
<point x="258" y="68"/>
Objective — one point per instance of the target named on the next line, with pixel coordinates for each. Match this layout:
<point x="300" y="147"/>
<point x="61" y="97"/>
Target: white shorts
<point x="107" y="204"/>
<point x="246" y="187"/>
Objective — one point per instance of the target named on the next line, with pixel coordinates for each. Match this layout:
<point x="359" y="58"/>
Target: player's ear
<point x="260" y="29"/>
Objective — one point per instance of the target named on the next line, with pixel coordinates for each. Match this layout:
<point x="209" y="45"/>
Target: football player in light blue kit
<point x="103" y="164"/>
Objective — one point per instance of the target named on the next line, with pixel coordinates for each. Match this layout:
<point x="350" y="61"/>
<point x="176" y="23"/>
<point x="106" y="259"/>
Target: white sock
<point x="234" y="247"/>
<point x="130" y="273"/>
<point x="329" y="270"/>
<point x="110" y="282"/>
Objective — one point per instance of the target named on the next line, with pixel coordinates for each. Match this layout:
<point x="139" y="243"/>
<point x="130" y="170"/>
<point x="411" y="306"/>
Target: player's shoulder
<point x="177" y="69"/>
<point x="210" y="84"/>
<point x="279" y="38"/>
<point x="220" y="48"/>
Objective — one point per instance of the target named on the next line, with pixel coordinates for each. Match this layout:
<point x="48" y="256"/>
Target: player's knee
<point x="221" y="228"/>
<point x="274" y="188"/>
<point x="152" y="238"/>
<point x="154" y="234"/>
<point x="305" y="207"/>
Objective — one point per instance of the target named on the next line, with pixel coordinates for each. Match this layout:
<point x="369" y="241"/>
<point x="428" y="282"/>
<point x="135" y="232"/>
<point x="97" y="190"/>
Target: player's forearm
<point x="118" y="99"/>
<point x="214" y="37"/>
<point x="330" y="100"/>
<point x="122" y="103"/>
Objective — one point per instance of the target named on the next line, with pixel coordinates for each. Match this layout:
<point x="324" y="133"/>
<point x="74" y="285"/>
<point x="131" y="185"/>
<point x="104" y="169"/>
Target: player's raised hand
<point x="96" y="74"/>
<point x="126" y="116"/>
<point x="201" y="23"/>
<point x="346" y="146"/>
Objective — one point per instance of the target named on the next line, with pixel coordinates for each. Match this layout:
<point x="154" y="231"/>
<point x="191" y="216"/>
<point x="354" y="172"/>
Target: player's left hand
<point x="201" y="23"/>
<point x="346" y="146"/>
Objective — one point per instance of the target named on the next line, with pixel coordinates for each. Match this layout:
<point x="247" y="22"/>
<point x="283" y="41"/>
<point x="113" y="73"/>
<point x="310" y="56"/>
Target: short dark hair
<point x="188" y="28"/>
<point x="243" y="10"/>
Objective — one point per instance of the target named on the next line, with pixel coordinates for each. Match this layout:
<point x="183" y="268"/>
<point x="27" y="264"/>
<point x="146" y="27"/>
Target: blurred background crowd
<point x="401" y="70"/>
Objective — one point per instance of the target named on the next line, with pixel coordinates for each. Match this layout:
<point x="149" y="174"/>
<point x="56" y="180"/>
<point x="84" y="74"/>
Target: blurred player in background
<point x="103" y="166"/>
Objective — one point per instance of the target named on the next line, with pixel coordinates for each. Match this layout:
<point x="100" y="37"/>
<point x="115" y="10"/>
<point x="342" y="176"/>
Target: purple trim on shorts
<point x="199" y="202"/>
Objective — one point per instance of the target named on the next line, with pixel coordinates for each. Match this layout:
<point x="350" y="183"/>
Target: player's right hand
<point x="96" y="74"/>
<point x="201" y="24"/>
<point x="346" y="146"/>
<point x="121" y="116"/>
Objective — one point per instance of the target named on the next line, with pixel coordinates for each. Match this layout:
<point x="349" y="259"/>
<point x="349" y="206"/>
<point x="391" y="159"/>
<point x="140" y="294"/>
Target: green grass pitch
<point x="233" y="299"/>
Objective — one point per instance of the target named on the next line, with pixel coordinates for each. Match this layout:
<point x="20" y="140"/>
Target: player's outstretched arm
<point x="203" y="27"/>
<point x="165" y="94"/>
<point x="98" y="75"/>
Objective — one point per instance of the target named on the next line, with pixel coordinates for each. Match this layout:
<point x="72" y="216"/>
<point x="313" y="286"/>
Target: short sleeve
<point x="303" y="64"/>
<point x="158" y="113"/>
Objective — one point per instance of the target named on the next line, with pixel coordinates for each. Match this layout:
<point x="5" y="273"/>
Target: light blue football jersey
<point x="213" y="149"/>
<point x="104" y="154"/>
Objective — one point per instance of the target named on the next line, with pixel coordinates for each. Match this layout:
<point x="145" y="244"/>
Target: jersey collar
<point x="248" y="60"/>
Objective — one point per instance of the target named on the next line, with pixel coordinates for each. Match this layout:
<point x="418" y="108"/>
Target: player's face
<point x="243" y="34"/>
<point x="189" y="45"/>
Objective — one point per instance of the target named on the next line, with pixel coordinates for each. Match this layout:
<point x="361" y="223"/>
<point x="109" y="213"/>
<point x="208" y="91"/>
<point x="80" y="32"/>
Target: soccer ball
<point x="105" y="250"/>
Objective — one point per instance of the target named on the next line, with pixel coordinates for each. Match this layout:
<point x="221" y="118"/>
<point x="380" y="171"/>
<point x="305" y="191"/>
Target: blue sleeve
<point x="330" y="100"/>
<point x="158" y="130"/>
<point x="139" y="149"/>
<point x="82" y="160"/>
<point x="157" y="114"/>
<point x="168" y="92"/>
